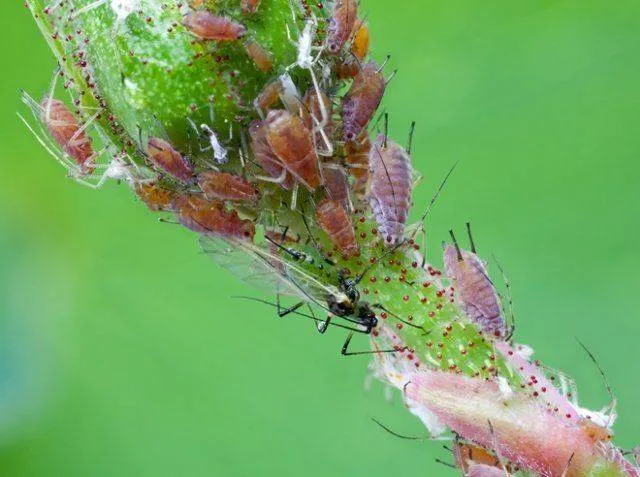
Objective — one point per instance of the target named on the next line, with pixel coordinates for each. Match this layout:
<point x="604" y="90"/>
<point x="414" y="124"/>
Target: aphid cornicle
<point x="337" y="184"/>
<point x="265" y="156"/>
<point x="260" y="57"/>
<point x="207" y="26"/>
<point x="291" y="142"/>
<point x="156" y="198"/>
<point x="474" y="288"/>
<point x="390" y="188"/>
<point x="250" y="6"/>
<point x="341" y="24"/>
<point x="204" y="216"/>
<point x="67" y="132"/>
<point x="165" y="157"/>
<point x="362" y="100"/>
<point x="227" y="186"/>
<point x="333" y="219"/>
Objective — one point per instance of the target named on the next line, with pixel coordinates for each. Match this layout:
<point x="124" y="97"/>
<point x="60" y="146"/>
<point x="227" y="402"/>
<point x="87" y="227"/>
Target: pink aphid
<point x="228" y="187"/>
<point x="67" y="132"/>
<point x="207" y="26"/>
<point x="265" y="156"/>
<point x="341" y="24"/>
<point x="362" y="100"/>
<point x="474" y="288"/>
<point x="391" y="186"/>
<point x="165" y="157"/>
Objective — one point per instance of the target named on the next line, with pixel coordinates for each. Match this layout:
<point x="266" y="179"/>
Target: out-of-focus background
<point x="123" y="353"/>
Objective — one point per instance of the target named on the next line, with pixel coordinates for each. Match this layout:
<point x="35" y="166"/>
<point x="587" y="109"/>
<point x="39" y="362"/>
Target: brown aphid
<point x="334" y="220"/>
<point x="291" y="142"/>
<point x="336" y="183"/>
<point x="362" y="100"/>
<point x="250" y="6"/>
<point x="268" y="96"/>
<point x="165" y="157"/>
<point x="204" y="216"/>
<point x="391" y="187"/>
<point x="68" y="134"/>
<point x="260" y="57"/>
<point x="265" y="156"/>
<point x="227" y="186"/>
<point x="341" y="24"/>
<point x="156" y="198"/>
<point x="357" y="160"/>
<point x="207" y="26"/>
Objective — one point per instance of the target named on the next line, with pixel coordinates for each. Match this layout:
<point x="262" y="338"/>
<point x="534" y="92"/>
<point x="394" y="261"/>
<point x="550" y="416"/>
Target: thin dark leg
<point x="345" y="349"/>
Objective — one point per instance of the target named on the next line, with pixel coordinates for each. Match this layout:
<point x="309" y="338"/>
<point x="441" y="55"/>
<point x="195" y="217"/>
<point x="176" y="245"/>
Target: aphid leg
<point x="294" y="196"/>
<point x="58" y="156"/>
<point x="568" y="465"/>
<point x="275" y="180"/>
<point x="612" y="400"/>
<point x="507" y="285"/>
<point x="455" y="243"/>
<point x="345" y="349"/>
<point x="437" y="193"/>
<point x="52" y="88"/>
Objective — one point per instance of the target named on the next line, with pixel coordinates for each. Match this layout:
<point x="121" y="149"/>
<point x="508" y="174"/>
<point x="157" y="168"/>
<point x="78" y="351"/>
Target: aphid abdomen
<point x="268" y="96"/>
<point x="362" y="100"/>
<point x="65" y="130"/>
<point x="250" y="6"/>
<point x="475" y="290"/>
<point x="260" y="57"/>
<point x="207" y="26"/>
<point x="203" y="216"/>
<point x="165" y="157"/>
<point x="358" y="161"/>
<point x="227" y="187"/>
<point x="155" y="197"/>
<point x="265" y="156"/>
<point x="336" y="184"/>
<point x="390" y="191"/>
<point x="291" y="142"/>
<point x="341" y="24"/>
<point x="333" y="219"/>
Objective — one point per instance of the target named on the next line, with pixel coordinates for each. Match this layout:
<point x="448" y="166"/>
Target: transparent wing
<point x="266" y="270"/>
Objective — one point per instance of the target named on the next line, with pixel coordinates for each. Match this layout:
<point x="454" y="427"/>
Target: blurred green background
<point x="122" y="353"/>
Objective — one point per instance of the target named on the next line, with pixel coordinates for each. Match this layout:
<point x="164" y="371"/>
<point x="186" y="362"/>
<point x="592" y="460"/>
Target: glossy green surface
<point x="123" y="353"/>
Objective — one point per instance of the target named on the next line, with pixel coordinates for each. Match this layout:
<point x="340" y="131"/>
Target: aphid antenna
<point x="303" y="215"/>
<point x="436" y="194"/>
<point x="613" y="402"/>
<point x="507" y="284"/>
<point x="397" y="434"/>
<point x="60" y="157"/>
<point x="410" y="142"/>
<point x="295" y="255"/>
<point x="294" y="311"/>
<point x="455" y="243"/>
<point x="376" y="124"/>
<point x="52" y="88"/>
<point x="161" y="128"/>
